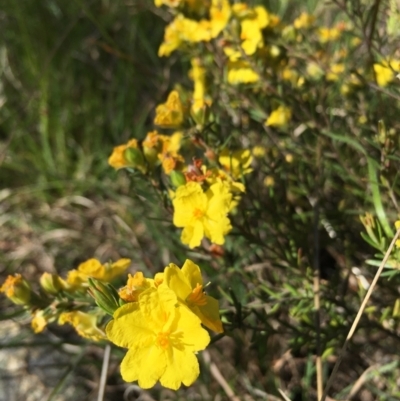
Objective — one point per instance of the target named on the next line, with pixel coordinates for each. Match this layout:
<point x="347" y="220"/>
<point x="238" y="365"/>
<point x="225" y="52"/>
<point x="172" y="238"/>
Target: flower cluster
<point x="161" y="325"/>
<point x="160" y="320"/>
<point x="202" y="195"/>
<point x="65" y="300"/>
<point x="205" y="174"/>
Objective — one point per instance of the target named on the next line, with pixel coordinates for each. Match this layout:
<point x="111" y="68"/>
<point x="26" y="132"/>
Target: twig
<point x="104" y="371"/>
<point x="359" y="314"/>
<point x="284" y="396"/>
<point x="360" y="381"/>
<point x="317" y="303"/>
<point x="219" y="378"/>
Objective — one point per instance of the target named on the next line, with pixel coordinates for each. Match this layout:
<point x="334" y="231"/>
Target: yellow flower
<point x="251" y="36"/>
<point x="251" y="30"/>
<point x="280" y="117"/>
<point x="269" y="181"/>
<point x="335" y="71"/>
<point x="397" y="225"/>
<point x="193" y="4"/>
<point x="200" y="31"/>
<point x="202" y="213"/>
<point x="259" y="151"/>
<point x="289" y="74"/>
<point x="328" y="34"/>
<point x="135" y="286"/>
<point x="172" y="144"/>
<point x="241" y="10"/>
<point x="237" y="162"/>
<point x="17" y="289"/>
<point x="241" y="72"/>
<point x="304" y="21"/>
<point x="93" y="268"/>
<point x="127" y="155"/>
<point x="216" y="175"/>
<point x="171" y="163"/>
<point x="158" y="279"/>
<point x="350" y="83"/>
<point x="182" y="30"/>
<point x="274" y="21"/>
<point x="198" y="75"/>
<point x="169" y="3"/>
<point x="220" y="13"/>
<point x="170" y="113"/>
<point x="162" y="149"/>
<point x="162" y="340"/>
<point x="385" y="71"/>
<point x="152" y="146"/>
<point x="168" y="153"/>
<point x="39" y="321"/>
<point x="289" y="158"/>
<point x="314" y="71"/>
<point x="85" y="324"/>
<point x="363" y="119"/>
<point x="231" y="53"/>
<point x="187" y="284"/>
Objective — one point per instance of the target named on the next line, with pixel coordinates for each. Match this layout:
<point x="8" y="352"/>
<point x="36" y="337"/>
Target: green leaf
<point x="373" y="180"/>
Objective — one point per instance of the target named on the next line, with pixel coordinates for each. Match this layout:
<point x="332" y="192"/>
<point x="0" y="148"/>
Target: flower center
<point x="198" y="213"/>
<point x="197" y="297"/>
<point x="163" y="340"/>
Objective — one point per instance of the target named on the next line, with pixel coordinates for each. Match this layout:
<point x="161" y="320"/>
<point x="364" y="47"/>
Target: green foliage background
<point x="77" y="78"/>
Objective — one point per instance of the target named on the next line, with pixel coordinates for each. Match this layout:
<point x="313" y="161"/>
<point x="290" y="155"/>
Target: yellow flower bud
<point x="39" y="321"/>
<point x="135" y="159"/>
<point x="52" y="283"/>
<point x="269" y="181"/>
<point x="200" y="111"/>
<point x="17" y="289"/>
<point x="84" y="323"/>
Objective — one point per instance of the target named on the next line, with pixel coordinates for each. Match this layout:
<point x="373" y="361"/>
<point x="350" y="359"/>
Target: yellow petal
<point x="209" y="315"/>
<point x="125" y="328"/>
<point x="177" y="281"/>
<point x="183" y="368"/>
<point x="279" y="117"/>
<point x="145" y="364"/>
<point x="192" y="273"/>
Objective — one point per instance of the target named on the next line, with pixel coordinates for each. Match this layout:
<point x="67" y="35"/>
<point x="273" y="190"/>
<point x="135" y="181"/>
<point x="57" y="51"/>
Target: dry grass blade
<point x="359" y="314"/>
<point x="284" y="396"/>
<point x="104" y="371"/>
<point x="360" y="382"/>
<point x="317" y="301"/>
<point x="219" y="378"/>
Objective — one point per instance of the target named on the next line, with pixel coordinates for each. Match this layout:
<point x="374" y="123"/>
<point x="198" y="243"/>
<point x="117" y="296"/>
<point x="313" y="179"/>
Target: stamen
<point x="198" y="296"/>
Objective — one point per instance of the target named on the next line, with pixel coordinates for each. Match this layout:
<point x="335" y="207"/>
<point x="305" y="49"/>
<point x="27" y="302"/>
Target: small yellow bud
<point x="269" y="181"/>
<point x="17" y="289"/>
<point x="259" y="151"/>
<point x="289" y="158"/>
<point x="135" y="159"/>
<point x="39" y="321"/>
<point x="52" y="283"/>
<point x="368" y="220"/>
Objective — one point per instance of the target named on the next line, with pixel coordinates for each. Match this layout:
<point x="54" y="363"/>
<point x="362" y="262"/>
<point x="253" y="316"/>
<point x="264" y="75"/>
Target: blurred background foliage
<point x="80" y="77"/>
